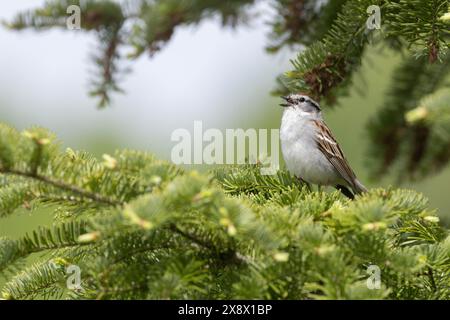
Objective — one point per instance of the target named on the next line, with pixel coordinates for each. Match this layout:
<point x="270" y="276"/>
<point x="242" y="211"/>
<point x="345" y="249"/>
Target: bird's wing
<point x="328" y="145"/>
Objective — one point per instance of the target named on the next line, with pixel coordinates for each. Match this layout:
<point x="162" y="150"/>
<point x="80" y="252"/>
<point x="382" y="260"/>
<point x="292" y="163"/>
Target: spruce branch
<point x="42" y="280"/>
<point x="215" y="236"/>
<point x="402" y="135"/>
<point x="328" y="63"/>
<point x="431" y="38"/>
<point x="301" y="22"/>
<point x="62" y="236"/>
<point x="64" y="186"/>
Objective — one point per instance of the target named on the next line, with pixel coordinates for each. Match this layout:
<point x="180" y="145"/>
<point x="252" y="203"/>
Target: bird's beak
<point x="284" y="105"/>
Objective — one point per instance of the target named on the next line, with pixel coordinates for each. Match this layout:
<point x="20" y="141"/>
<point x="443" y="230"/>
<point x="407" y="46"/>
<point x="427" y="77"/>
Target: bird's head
<point x="301" y="104"/>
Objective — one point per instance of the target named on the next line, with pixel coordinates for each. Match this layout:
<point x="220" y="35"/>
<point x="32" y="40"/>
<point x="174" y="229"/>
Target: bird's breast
<point x="301" y="154"/>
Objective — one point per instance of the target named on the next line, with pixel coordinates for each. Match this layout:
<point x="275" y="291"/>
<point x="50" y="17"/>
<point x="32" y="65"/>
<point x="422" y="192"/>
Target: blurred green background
<point x="220" y="76"/>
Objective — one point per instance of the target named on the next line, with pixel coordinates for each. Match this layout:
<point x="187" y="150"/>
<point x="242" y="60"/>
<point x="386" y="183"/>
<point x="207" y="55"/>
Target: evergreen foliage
<point x="138" y="227"/>
<point x="141" y="228"/>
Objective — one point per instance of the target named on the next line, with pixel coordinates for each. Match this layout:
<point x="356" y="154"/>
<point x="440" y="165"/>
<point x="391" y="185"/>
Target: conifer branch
<point x="64" y="186"/>
<point x="192" y="238"/>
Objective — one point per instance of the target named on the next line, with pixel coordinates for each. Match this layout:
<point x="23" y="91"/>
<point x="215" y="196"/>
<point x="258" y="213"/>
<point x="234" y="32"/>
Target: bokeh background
<point x="220" y="76"/>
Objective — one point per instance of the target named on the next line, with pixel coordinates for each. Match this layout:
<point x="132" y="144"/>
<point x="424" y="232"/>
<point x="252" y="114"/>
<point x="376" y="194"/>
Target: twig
<point x="235" y="255"/>
<point x="194" y="239"/>
<point x="430" y="275"/>
<point x="65" y="186"/>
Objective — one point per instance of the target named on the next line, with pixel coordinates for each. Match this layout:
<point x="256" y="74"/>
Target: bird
<point x="309" y="149"/>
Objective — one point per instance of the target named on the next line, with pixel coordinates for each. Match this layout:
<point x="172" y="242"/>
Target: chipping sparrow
<point x="309" y="149"/>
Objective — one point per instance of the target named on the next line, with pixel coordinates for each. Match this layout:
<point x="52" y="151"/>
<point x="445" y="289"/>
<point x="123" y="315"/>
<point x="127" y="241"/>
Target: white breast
<point x="300" y="152"/>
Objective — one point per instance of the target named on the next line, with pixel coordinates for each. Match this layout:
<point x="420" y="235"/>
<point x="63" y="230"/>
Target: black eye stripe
<point x="315" y="105"/>
<point x="302" y="99"/>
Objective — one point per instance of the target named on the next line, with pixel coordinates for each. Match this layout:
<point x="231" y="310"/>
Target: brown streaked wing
<point x="330" y="148"/>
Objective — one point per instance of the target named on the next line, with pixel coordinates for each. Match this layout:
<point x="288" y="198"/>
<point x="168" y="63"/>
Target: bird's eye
<point x="302" y="99"/>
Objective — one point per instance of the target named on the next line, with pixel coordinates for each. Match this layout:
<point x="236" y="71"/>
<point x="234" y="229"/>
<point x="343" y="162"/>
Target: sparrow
<point x="309" y="149"/>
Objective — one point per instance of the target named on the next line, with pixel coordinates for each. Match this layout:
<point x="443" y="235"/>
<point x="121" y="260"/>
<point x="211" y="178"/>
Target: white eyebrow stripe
<point x="305" y="114"/>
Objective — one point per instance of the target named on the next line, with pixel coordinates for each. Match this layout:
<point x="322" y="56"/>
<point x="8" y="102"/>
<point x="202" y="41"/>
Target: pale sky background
<point x="220" y="76"/>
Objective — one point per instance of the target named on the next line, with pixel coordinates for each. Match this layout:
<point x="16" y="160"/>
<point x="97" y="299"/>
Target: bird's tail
<point x="358" y="187"/>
